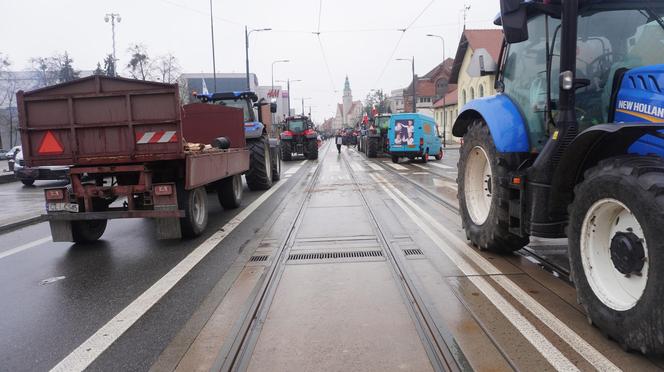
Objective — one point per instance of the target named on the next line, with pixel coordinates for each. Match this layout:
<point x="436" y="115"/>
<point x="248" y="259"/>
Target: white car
<point x="29" y="175"/>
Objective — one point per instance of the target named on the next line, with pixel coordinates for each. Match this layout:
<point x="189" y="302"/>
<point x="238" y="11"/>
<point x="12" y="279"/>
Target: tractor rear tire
<point x="483" y="193"/>
<point x="616" y="246"/>
<point x="259" y="175"/>
<point x="312" y="149"/>
<point x="276" y="166"/>
<point x="372" y="147"/>
<point x="229" y="192"/>
<point x="194" y="203"/>
<point x="286" y="151"/>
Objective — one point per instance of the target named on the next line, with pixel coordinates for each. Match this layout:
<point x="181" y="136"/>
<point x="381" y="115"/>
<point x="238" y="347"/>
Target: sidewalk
<point x="22" y="205"/>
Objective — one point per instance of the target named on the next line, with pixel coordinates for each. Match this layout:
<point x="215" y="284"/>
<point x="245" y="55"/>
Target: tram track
<point x="555" y="269"/>
<point x="236" y="355"/>
<point x="437" y="341"/>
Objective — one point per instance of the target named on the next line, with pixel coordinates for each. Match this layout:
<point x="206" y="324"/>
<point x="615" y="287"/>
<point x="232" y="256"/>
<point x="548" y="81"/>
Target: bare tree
<point x="167" y="68"/>
<point x="58" y="68"/>
<point x="109" y="65"/>
<point x="140" y="64"/>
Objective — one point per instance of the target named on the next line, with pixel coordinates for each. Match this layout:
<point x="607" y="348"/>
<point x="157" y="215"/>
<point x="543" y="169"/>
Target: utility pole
<point x="112" y="17"/>
<point x="445" y="93"/>
<point x="412" y="61"/>
<point x="246" y="49"/>
<point x="288" y="81"/>
<point x="214" y="66"/>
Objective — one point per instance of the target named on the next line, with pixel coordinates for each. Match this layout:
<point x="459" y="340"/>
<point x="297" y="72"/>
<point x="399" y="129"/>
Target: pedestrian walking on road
<point x="339" y="141"/>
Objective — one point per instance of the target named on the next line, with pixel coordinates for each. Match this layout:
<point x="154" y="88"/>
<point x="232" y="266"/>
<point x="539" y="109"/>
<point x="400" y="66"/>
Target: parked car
<point x="414" y="136"/>
<point x="28" y="175"/>
<point x="11" y="153"/>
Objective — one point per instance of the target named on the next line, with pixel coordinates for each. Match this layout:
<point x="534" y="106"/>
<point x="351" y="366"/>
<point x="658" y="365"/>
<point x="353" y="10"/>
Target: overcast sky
<point x="358" y="37"/>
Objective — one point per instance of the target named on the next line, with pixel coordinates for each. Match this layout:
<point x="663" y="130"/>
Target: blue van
<point x="414" y="136"/>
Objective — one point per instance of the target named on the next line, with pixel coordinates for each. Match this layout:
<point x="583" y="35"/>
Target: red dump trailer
<point x="133" y="152"/>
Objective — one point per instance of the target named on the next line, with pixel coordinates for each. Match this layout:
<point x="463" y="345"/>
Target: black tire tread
<point x="639" y="328"/>
<point x="257" y="176"/>
<point x="494" y="234"/>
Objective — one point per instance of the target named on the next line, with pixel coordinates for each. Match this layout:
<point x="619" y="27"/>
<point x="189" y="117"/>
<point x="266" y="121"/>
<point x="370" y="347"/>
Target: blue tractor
<point x="265" y="159"/>
<point x="573" y="146"/>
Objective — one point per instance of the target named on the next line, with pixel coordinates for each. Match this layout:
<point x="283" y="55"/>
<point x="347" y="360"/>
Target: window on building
<point x="472" y="93"/>
<point x="463" y="97"/>
<point x="441" y="87"/>
<point x="481" y="90"/>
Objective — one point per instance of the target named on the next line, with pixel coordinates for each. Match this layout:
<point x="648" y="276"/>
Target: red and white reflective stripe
<point x="167" y="136"/>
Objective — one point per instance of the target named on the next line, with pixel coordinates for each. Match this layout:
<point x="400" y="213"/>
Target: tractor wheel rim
<point x="237" y="187"/>
<point x="198" y="208"/>
<point x="477" y="185"/>
<point x="607" y="221"/>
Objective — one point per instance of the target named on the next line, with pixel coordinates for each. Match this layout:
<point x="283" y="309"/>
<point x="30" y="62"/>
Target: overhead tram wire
<point x="396" y="46"/>
<point x="320" y="44"/>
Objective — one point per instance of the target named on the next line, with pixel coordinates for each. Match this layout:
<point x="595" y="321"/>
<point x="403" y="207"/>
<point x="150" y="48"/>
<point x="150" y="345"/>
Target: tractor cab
<point x="573" y="146"/>
<point x="298" y="137"/>
<point x="250" y="105"/>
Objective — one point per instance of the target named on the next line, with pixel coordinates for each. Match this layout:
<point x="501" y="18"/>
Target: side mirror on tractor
<point x="514" y="21"/>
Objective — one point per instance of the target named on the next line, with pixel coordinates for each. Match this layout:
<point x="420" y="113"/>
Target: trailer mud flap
<point x="168" y="228"/>
<point x="61" y="231"/>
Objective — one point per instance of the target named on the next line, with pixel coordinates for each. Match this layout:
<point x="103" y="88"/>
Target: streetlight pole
<point x="246" y="48"/>
<point x="273" y="62"/>
<point x="444" y="94"/>
<point x="112" y="17"/>
<point x="412" y="61"/>
<point x="303" y="98"/>
<point x="288" y="81"/>
<point x="214" y="66"/>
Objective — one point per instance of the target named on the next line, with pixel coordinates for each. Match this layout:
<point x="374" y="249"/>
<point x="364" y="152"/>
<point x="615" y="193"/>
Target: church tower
<point x="347" y="102"/>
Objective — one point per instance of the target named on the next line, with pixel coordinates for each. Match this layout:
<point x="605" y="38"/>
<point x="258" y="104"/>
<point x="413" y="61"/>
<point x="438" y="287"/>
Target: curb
<point x="7" y="178"/>
<point x="23" y="223"/>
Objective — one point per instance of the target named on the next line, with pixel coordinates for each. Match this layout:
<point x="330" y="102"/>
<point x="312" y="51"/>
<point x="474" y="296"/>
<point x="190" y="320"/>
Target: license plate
<point x="62" y="207"/>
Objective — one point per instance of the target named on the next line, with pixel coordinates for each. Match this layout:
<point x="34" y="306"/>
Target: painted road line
<point x="420" y="166"/>
<point x="24" y="247"/>
<point x="397" y="166"/>
<point x="294" y="169"/>
<point x="554" y="356"/>
<point x="442" y="166"/>
<point x="580" y="345"/>
<point x="420" y="173"/>
<point x="90" y="349"/>
<point x="302" y="162"/>
<point x="440" y="183"/>
<point x="375" y="167"/>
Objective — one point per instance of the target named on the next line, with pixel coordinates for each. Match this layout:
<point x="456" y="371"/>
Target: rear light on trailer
<point x="421" y="141"/>
<point x="54" y="194"/>
<point x="163" y="190"/>
<point x="516" y="180"/>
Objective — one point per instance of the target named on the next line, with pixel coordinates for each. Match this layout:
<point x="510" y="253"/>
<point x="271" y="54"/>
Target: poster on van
<point x="403" y="132"/>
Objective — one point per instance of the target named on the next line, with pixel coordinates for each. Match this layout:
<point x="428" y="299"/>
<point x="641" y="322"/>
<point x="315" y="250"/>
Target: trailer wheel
<point x="87" y="231"/>
<point x="259" y="175"/>
<point x="312" y="149"/>
<point x="372" y="148"/>
<point x="483" y="199"/>
<point x="229" y="192"/>
<point x="439" y="155"/>
<point x="286" y="151"/>
<point x="616" y="247"/>
<point x="395" y="159"/>
<point x="194" y="203"/>
<point x="425" y="156"/>
<point x="28" y="182"/>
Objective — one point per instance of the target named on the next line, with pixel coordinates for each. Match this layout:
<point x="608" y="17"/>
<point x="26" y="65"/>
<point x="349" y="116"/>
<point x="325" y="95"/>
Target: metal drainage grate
<point x="413" y="252"/>
<point x="262" y="258"/>
<point x="333" y="255"/>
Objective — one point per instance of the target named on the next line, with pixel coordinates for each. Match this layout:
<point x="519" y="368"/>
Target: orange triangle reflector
<point x="50" y="145"/>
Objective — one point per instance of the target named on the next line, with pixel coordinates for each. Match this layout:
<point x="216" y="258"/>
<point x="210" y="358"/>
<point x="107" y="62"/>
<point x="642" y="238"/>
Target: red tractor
<point x="299" y="137"/>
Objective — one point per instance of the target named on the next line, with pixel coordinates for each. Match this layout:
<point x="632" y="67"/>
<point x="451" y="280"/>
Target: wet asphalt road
<point x="57" y="295"/>
<point x="42" y="322"/>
